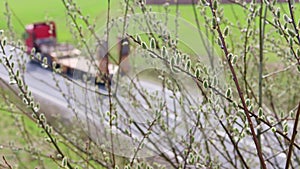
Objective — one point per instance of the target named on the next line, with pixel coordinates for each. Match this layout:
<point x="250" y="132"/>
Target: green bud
<point x="291" y="41"/>
<point x="215" y="4"/>
<point x="292" y="113"/>
<point x="164" y="52"/>
<point x="291" y="33"/>
<point x="197" y="73"/>
<point x="229" y="57"/>
<point x="220" y="43"/>
<point x="226" y="30"/>
<point x="248" y="102"/>
<point x="64" y="162"/>
<point x="285" y="128"/>
<point x="260" y="112"/>
<point x="234" y="59"/>
<point x="273" y="129"/>
<point x="188" y="65"/>
<point x="214" y="23"/>
<point x="277" y="13"/>
<point x="250" y="33"/>
<point x="287" y="19"/>
<point x="205" y="84"/>
<point x="298" y="68"/>
<point x="152" y="44"/>
<point x="228" y="93"/>
<point x="204" y="2"/>
<point x="144" y="45"/>
<point x="138" y="39"/>
<point x="4" y="42"/>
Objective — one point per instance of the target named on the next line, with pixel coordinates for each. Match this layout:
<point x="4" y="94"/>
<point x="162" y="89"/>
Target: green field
<point x="29" y="11"/>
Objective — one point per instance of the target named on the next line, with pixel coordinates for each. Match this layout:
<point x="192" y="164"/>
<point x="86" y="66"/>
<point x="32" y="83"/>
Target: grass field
<point x="30" y="11"/>
<point x="25" y="12"/>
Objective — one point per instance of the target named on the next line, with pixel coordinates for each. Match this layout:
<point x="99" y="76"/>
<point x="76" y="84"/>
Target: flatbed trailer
<point x="42" y="37"/>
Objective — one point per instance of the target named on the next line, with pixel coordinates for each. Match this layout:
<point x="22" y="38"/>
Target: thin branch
<point x="241" y="95"/>
<point x="288" y="159"/>
<point x="291" y="7"/>
<point x="8" y="165"/>
<point x="278" y="71"/>
<point x="27" y="100"/>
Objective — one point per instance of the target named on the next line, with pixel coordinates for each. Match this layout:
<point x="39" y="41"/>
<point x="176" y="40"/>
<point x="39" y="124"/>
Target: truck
<point x="41" y="38"/>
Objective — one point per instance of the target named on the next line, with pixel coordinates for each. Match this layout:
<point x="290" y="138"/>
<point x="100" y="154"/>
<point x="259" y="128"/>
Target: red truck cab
<point x="40" y="33"/>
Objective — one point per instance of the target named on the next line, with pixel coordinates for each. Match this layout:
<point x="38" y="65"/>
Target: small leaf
<point x="273" y="129"/>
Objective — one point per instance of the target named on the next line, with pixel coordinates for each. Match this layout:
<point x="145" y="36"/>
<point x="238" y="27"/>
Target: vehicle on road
<point x="41" y="37"/>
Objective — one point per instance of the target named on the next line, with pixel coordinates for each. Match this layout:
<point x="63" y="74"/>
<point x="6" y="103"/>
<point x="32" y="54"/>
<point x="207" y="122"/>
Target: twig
<point x="278" y="71"/>
<point x="28" y="100"/>
<point x="8" y="165"/>
<point x="291" y="7"/>
<point x="288" y="159"/>
<point x="241" y="95"/>
<point x="218" y="92"/>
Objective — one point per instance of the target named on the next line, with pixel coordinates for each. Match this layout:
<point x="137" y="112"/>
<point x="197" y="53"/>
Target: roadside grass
<point x="23" y="143"/>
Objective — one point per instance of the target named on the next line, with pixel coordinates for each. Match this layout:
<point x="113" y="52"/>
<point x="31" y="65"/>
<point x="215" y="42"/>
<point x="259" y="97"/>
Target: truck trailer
<point x="41" y="36"/>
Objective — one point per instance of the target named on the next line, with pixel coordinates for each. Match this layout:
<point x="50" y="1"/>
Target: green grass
<point x="14" y="146"/>
<point x="30" y="11"/>
<point x="29" y="150"/>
